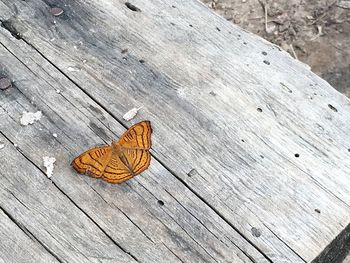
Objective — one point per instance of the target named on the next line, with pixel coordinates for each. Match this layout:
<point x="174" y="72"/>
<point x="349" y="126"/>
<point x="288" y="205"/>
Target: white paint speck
<point x="54" y="135"/>
<point x="48" y="163"/>
<point x="2" y="146"/>
<point x="131" y="114"/>
<point x="30" y="117"/>
<point x="181" y="92"/>
<point x="72" y="69"/>
<point x="58" y="91"/>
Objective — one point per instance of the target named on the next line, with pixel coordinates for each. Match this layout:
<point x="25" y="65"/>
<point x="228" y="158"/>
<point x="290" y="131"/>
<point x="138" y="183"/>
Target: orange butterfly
<point x="122" y="160"/>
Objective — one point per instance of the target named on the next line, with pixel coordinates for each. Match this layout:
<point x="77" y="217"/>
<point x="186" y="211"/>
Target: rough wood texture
<point x="251" y="161"/>
<point x="131" y="216"/>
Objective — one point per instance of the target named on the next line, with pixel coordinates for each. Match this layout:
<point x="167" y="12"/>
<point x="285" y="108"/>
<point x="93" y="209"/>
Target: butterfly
<point x="120" y="161"/>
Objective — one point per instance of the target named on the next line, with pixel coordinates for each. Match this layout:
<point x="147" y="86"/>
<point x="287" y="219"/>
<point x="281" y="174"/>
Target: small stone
<point x="344" y="4"/>
<point x="58" y="91"/>
<point x="56" y="11"/>
<point x="54" y="135"/>
<point x="5" y="83"/>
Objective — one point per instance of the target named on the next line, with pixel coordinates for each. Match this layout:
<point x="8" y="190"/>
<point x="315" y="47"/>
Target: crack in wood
<point x="28" y="233"/>
<point x="75" y="204"/>
<point x="216" y="211"/>
<point x="284" y="242"/>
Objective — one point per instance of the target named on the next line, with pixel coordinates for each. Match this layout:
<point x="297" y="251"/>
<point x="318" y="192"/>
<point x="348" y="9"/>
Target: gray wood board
<point x="183" y="229"/>
<point x="201" y="81"/>
<point x="17" y="243"/>
<point x="48" y="217"/>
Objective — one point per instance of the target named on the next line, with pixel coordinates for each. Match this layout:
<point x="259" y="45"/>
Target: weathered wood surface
<point x="232" y="187"/>
<point x="184" y="228"/>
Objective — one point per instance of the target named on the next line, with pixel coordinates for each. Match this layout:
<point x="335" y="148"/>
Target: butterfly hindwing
<point x="138" y="159"/>
<point x="116" y="171"/>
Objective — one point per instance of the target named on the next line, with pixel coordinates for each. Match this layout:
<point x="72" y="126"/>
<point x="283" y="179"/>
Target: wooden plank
<point x="154" y="217"/>
<point x="47" y="216"/>
<point x="18" y="246"/>
<point x="202" y="87"/>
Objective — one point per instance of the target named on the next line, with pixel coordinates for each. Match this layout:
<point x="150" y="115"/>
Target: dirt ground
<point x="317" y="32"/>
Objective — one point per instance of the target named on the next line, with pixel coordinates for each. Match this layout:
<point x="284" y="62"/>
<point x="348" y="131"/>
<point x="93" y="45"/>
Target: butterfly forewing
<point x="137" y="136"/>
<point x="93" y="161"/>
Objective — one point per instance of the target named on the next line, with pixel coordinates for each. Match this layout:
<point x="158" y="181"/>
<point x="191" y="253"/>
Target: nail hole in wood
<point x="262" y="156"/>
<point x="171" y="23"/>
<point x="191" y="173"/>
<point x="132" y="7"/>
<point x="190" y="25"/>
<point x="256" y="232"/>
<point x="7" y="24"/>
<point x="242" y="140"/>
<point x="218" y="29"/>
<point x="173" y="6"/>
<point x="142" y="61"/>
<point x="297" y="155"/>
<point x="267" y="62"/>
<point x="5" y="83"/>
<point x="264" y="53"/>
<point x="244" y="43"/>
<point x="160" y="202"/>
<point x="259" y="109"/>
<point x="332" y="108"/>
<point x="318" y="211"/>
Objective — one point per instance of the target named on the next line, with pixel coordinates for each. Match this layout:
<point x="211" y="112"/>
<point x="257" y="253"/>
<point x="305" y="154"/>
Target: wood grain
<point x="19" y="245"/>
<point x="154" y="218"/>
<point x="55" y="230"/>
<point x="258" y="140"/>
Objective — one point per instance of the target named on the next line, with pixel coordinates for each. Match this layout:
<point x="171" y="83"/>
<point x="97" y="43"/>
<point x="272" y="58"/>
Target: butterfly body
<point x="122" y="160"/>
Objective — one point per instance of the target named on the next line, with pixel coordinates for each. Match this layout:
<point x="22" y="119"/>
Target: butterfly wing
<point x="121" y="161"/>
<point x="93" y="161"/>
<point x="137" y="136"/>
<point x="116" y="171"/>
<point x="137" y="160"/>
